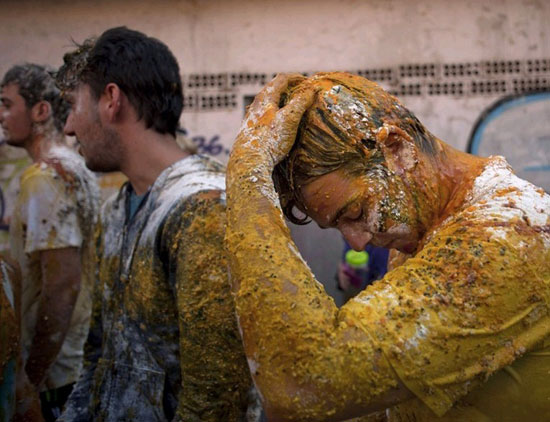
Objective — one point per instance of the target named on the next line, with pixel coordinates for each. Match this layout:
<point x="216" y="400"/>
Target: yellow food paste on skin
<point x="294" y="334"/>
<point x="473" y="298"/>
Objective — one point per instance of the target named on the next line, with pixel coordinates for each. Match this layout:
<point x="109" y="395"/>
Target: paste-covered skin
<point x="294" y="335"/>
<point x="472" y="299"/>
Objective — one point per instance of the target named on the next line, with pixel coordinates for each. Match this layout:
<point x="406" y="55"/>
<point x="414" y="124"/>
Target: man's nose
<point x="68" y="128"/>
<point x="356" y="238"/>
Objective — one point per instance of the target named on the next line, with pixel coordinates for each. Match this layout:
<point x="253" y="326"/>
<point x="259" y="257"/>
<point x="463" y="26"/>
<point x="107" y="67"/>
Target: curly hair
<point x="338" y="132"/>
<point x="143" y="67"/>
<point x="36" y="83"/>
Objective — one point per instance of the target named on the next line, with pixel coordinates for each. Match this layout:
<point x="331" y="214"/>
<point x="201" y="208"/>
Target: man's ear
<point x="111" y="101"/>
<point x="41" y="112"/>
<point x="398" y="147"/>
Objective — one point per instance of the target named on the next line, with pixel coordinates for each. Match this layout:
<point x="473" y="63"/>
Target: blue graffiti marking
<point x="210" y="146"/>
<point x="537" y="168"/>
<point x="497" y="110"/>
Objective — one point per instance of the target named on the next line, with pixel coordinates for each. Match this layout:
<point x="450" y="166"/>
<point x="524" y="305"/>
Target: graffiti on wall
<point x="517" y="127"/>
<point x="210" y="145"/>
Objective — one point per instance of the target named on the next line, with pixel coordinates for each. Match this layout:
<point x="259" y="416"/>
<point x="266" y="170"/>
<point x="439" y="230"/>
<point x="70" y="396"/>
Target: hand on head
<point x="270" y="128"/>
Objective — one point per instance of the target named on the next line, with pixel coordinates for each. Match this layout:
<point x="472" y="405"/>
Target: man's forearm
<point x="53" y="317"/>
<point x="60" y="288"/>
<point x="286" y="316"/>
<point x="284" y="313"/>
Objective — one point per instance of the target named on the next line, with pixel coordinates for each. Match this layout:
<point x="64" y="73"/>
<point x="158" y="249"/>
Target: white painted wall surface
<point x="225" y="38"/>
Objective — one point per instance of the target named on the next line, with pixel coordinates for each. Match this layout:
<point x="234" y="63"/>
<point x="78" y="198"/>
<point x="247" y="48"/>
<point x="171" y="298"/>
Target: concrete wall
<point x="447" y="61"/>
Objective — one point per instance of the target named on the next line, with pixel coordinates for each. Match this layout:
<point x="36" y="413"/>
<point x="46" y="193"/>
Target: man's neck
<point x="148" y="154"/>
<point x="38" y="146"/>
<point x="440" y="182"/>
<point x="455" y="171"/>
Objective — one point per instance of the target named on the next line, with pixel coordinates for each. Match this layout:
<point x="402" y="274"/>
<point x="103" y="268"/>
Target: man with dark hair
<point x="163" y="341"/>
<point x="460" y="331"/>
<point x="53" y="215"/>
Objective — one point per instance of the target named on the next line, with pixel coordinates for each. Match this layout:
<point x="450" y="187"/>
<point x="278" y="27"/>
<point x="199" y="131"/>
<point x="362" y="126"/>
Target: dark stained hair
<point x="36" y="84"/>
<point x="143" y="67"/>
<point x="338" y="132"/>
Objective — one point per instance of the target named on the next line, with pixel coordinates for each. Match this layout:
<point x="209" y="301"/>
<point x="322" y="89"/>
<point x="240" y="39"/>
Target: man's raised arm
<point x="300" y="347"/>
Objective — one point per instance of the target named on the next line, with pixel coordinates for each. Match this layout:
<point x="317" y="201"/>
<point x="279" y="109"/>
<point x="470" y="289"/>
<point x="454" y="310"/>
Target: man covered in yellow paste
<point x="164" y="343"/>
<point x="52" y="222"/>
<point x="458" y="332"/>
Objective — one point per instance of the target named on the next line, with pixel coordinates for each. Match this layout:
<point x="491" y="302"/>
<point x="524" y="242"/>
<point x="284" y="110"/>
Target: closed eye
<point x="353" y="212"/>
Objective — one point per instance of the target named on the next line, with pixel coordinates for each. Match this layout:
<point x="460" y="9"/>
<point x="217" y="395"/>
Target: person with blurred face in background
<point x="53" y="215"/>
<point x="163" y="342"/>
<point x="458" y="332"/>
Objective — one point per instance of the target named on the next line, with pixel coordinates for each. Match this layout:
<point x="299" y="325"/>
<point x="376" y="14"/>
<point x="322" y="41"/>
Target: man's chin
<point x="93" y="167"/>
<point x="89" y="163"/>
<point x="99" y="167"/>
<point x="12" y="143"/>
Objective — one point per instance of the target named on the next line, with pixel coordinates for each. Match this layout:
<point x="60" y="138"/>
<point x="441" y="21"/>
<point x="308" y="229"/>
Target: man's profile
<point x="163" y="342"/>
<point x="52" y="222"/>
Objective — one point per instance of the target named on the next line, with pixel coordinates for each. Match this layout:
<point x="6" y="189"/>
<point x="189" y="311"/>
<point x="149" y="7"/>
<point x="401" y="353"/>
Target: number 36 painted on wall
<point x="211" y="146"/>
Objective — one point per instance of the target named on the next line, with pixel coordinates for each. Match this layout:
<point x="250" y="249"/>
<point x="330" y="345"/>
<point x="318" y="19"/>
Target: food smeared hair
<point x="338" y="132"/>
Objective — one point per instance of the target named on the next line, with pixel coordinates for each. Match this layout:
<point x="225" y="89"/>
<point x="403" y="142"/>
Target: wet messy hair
<point x="143" y="68"/>
<point x="36" y="83"/>
<point x="338" y="132"/>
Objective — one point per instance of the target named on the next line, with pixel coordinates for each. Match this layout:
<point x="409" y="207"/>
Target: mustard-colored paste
<point x="472" y="300"/>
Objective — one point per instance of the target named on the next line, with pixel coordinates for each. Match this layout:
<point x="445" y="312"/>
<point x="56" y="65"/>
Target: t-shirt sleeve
<point x="50" y="213"/>
<point x="473" y="300"/>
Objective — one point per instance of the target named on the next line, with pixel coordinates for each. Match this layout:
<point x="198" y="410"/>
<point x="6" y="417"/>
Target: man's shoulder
<point x="497" y="204"/>
<point x="60" y="166"/>
<point x="113" y="207"/>
<point x="195" y="173"/>
<point x="498" y="193"/>
<point x="194" y="185"/>
<point x="191" y="178"/>
<point x="67" y="164"/>
<point x="40" y="178"/>
<point x="37" y="171"/>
